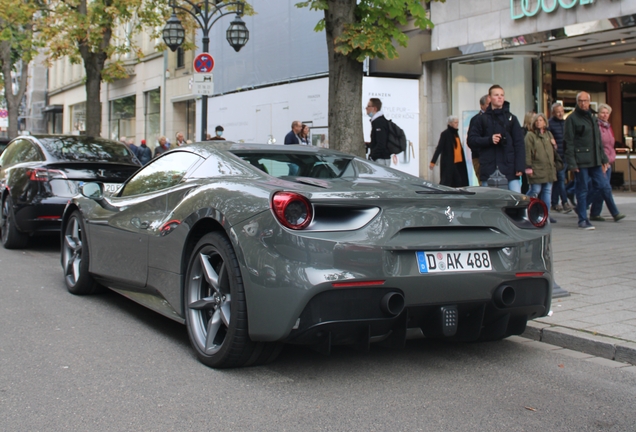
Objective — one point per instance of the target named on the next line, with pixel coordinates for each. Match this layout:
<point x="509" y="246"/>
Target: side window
<point x="161" y="173"/>
<point x="20" y="151"/>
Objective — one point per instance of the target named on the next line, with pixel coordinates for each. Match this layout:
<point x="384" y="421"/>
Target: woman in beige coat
<point x="540" y="160"/>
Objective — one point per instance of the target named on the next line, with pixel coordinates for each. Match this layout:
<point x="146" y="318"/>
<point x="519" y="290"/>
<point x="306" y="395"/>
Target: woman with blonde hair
<point x="540" y="160"/>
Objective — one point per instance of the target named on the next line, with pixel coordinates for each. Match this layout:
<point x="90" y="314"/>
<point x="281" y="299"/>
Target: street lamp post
<point x="206" y="13"/>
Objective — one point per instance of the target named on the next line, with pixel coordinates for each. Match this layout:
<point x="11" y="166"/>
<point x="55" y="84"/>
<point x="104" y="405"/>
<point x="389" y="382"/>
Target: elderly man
<point x="586" y="158"/>
<point x="292" y="136"/>
<point x="162" y="147"/>
<point x="180" y="139"/>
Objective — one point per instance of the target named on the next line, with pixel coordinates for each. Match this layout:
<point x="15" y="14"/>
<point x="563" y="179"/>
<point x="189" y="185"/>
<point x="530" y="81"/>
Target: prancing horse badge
<point x="450" y="214"/>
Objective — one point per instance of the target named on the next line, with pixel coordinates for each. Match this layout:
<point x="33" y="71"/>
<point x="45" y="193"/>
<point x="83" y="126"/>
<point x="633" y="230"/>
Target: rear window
<point x="87" y="149"/>
<point x="298" y="164"/>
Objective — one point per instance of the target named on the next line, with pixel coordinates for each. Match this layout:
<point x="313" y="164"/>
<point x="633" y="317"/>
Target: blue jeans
<point x="543" y="191"/>
<point x="596" y="198"/>
<point x="600" y="185"/>
<point x="513" y="185"/>
<point x="558" y="188"/>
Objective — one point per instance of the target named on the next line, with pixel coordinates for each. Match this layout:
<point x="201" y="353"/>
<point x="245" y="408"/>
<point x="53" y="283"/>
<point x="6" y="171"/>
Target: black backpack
<point x="396" y="140"/>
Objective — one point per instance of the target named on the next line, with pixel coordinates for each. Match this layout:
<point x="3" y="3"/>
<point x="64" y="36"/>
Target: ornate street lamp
<point x="206" y="13"/>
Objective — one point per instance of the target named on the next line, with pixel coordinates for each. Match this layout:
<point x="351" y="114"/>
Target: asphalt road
<point x="103" y="363"/>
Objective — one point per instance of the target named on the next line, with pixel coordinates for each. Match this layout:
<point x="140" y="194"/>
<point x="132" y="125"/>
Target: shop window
<point x="152" y="117"/>
<point x="180" y="58"/>
<point x="78" y="118"/>
<point x="122" y="117"/>
<point x="472" y="78"/>
<point x="191" y="120"/>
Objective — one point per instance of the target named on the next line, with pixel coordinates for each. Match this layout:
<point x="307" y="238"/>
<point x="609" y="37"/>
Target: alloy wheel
<point x="209" y="300"/>
<point x="72" y="251"/>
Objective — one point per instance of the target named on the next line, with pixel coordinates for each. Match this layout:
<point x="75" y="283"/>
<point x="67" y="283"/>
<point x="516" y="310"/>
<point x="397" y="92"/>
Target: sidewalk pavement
<point x="598" y="269"/>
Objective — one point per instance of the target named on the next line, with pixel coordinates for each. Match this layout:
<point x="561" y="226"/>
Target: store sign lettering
<point x="529" y="8"/>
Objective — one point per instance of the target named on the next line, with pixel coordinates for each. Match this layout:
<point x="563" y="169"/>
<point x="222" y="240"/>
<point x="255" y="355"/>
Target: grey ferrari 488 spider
<point x="222" y="238"/>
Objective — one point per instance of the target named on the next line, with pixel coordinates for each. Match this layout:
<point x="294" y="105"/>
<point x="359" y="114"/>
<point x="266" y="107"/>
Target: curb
<point x="596" y="345"/>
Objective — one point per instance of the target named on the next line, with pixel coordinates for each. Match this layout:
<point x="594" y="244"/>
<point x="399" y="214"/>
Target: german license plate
<point x="110" y="188"/>
<point x="453" y="261"/>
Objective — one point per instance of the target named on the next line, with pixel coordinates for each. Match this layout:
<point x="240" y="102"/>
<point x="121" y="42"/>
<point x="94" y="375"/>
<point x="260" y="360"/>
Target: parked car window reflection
<point x="72" y="148"/>
<point x="19" y="151"/>
<point x="295" y="164"/>
<point x="162" y="173"/>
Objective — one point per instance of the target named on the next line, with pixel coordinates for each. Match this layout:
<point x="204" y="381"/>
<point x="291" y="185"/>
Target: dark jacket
<point x="509" y="154"/>
<point x="474" y="149"/>
<point x="540" y="157"/>
<point x="582" y="138"/>
<point x="144" y="154"/>
<point x="291" y="138"/>
<point x="379" y="138"/>
<point x="557" y="128"/>
<point x="451" y="174"/>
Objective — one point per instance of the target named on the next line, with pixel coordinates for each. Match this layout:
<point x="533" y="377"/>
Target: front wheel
<point x="216" y="309"/>
<point x="9" y="234"/>
<point x="75" y="257"/>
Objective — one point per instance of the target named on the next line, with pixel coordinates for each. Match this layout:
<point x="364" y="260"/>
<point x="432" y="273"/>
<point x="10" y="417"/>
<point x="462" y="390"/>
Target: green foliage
<point x="17" y="18"/>
<point x="78" y="29"/>
<point x="376" y="27"/>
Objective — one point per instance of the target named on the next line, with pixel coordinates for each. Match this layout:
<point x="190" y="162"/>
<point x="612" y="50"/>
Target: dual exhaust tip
<point x="392" y="304"/>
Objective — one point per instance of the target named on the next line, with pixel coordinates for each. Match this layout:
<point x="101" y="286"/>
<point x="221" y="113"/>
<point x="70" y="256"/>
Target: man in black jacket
<point x="556" y="126"/>
<point x="499" y="139"/>
<point x="379" y="133"/>
<point x="483" y="106"/>
<point x="292" y="136"/>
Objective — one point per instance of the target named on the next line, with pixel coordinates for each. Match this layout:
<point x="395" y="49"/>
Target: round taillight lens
<point x="537" y="213"/>
<point x="292" y="210"/>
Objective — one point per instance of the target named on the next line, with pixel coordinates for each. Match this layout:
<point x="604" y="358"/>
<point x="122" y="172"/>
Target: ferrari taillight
<point x="292" y="210"/>
<point x="537" y="212"/>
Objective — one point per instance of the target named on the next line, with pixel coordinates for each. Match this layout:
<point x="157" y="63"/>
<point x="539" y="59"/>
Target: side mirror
<point x="93" y="191"/>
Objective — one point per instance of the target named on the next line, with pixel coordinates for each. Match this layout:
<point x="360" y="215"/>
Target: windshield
<point x="299" y="164"/>
<point x="87" y="149"/>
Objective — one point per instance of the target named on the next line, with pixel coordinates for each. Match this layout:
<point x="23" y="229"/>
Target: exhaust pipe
<point x="504" y="296"/>
<point x="392" y="304"/>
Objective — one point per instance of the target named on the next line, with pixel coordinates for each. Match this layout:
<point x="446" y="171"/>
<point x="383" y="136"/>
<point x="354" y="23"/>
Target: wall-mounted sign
<point x="529" y="8"/>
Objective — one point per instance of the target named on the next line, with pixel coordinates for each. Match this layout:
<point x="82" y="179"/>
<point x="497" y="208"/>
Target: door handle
<point x="137" y="223"/>
<point x="144" y="225"/>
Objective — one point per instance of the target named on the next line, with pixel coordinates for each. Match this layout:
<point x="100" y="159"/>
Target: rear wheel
<point x="216" y="309"/>
<point x="11" y="237"/>
<point x="75" y="258"/>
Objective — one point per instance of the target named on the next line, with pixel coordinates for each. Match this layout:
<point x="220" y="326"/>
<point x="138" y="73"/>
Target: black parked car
<point x="39" y="174"/>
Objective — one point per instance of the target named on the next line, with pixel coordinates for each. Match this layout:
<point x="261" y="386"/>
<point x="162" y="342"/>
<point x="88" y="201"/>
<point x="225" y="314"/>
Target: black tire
<point x="11" y="237"/>
<point x="75" y="258"/>
<point x="216" y="309"/>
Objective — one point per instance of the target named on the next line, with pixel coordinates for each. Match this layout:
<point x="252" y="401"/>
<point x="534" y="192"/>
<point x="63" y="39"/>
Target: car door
<point x="119" y="248"/>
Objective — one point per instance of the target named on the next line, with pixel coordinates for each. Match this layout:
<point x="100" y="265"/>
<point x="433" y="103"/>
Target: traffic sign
<point x="4" y="113"/>
<point x="203" y="63"/>
<point x="203" y="84"/>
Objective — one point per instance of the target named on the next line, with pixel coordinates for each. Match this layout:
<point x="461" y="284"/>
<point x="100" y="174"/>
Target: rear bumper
<point x="356" y="317"/>
<point x="45" y="216"/>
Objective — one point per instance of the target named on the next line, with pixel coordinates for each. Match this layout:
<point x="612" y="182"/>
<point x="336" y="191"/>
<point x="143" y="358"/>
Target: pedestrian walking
<point x="179" y="139"/>
<point x="144" y="154"/>
<point x="556" y="125"/>
<point x="304" y="135"/>
<point x="587" y="160"/>
<point x="541" y="160"/>
<point x="162" y="147"/>
<point x="218" y="134"/>
<point x="608" y="140"/>
<point x="484" y="101"/>
<point x="292" y="136"/>
<point x="379" y="151"/>
<point x="453" y="170"/>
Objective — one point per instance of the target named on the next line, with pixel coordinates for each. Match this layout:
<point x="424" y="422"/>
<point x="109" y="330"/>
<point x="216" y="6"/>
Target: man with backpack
<point x="378" y="146"/>
<point x="499" y="138"/>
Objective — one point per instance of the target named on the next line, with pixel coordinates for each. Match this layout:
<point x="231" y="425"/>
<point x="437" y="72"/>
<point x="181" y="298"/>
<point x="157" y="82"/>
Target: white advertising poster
<point x="265" y="115"/>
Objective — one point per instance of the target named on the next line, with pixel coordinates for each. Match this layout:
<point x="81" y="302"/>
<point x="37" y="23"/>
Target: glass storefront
<point x="78" y="118"/>
<point x="152" y="116"/>
<point x="471" y="79"/>
<point x="122" y="117"/>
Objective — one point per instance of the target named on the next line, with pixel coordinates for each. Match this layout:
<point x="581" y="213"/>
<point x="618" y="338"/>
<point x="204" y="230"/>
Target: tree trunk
<point x="345" y="83"/>
<point x="93" y="65"/>
<point x="13" y="100"/>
